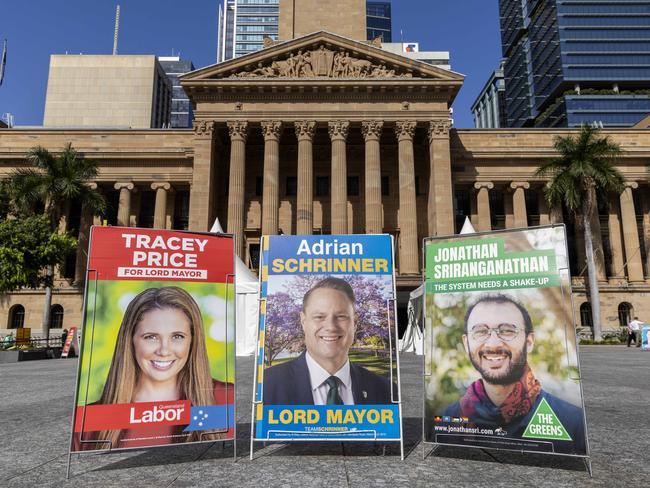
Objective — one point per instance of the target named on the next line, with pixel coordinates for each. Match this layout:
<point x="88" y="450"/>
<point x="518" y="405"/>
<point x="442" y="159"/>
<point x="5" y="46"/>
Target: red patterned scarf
<point x="517" y="404"/>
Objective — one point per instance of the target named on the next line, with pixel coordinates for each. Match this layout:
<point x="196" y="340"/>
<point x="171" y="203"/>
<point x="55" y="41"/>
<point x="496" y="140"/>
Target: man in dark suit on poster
<point x="323" y="374"/>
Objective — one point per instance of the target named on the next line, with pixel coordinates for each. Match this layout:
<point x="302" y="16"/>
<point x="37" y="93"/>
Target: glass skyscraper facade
<point x="379" y="21"/>
<point x="569" y="62"/>
<point x="181" y="113"/>
<point x="243" y="25"/>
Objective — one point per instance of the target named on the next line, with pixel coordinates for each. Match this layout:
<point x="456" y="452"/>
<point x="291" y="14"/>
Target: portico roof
<point x="322" y="61"/>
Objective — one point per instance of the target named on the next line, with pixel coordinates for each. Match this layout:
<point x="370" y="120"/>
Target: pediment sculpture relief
<point x="322" y="62"/>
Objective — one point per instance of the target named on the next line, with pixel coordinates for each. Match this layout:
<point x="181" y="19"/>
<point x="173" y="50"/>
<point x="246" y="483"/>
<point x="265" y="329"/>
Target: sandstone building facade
<point x="324" y="134"/>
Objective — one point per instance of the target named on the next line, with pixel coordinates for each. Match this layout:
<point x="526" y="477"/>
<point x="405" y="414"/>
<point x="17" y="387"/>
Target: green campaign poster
<point x="501" y="362"/>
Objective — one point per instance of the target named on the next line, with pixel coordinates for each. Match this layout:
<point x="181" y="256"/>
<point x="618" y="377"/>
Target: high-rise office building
<point x="489" y="107"/>
<point x="181" y="113"/>
<point x="379" y="21"/>
<point x="126" y="91"/>
<point x="411" y="50"/>
<point x="571" y="62"/>
<point x="244" y="24"/>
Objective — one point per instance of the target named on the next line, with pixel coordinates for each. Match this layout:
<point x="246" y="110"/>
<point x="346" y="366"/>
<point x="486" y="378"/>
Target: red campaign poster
<point x="158" y="340"/>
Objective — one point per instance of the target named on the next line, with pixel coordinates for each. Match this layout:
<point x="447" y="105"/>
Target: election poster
<point x="158" y="340"/>
<point x="327" y="361"/>
<point x="501" y="361"/>
<point x="645" y="338"/>
<point x="67" y="345"/>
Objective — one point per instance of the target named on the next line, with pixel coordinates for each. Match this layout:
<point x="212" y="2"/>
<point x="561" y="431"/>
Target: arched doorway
<point x="625" y="312"/>
<point x="56" y="317"/>
<point x="16" y="317"/>
<point x="586" y="319"/>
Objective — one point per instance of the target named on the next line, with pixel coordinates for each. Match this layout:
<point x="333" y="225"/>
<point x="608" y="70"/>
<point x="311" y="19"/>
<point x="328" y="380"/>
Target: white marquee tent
<point x="247" y="303"/>
<point x="413" y="338"/>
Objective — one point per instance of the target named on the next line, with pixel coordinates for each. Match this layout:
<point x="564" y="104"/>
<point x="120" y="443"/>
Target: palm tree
<point x="583" y="170"/>
<point x="53" y="183"/>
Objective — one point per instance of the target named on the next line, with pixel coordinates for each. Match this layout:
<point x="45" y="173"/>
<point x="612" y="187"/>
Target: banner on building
<point x="158" y="341"/>
<point x="501" y="362"/>
<point x="327" y="361"/>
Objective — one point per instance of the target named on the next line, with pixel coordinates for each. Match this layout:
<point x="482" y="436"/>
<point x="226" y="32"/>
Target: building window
<point x="497" y="209"/>
<point x="147" y="209"/>
<point x="259" y="186"/>
<point x="56" y="317"/>
<point x="70" y="266"/>
<point x="624" y="313"/>
<point x="532" y="206"/>
<point x="462" y="206"/>
<point x="419" y="190"/>
<point x="112" y="205"/>
<point x="322" y="186"/>
<point x="291" y="186"/>
<point x="385" y="186"/>
<point x="585" y="315"/>
<point x="353" y="186"/>
<point x="254" y="256"/>
<point x="16" y="317"/>
<point x="182" y="210"/>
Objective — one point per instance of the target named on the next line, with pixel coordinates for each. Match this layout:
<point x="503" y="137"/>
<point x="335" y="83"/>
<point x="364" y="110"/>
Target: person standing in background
<point x="633" y="328"/>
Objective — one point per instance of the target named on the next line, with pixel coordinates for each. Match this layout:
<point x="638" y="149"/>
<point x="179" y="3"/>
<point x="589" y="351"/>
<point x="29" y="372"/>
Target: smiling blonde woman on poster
<point x="160" y="355"/>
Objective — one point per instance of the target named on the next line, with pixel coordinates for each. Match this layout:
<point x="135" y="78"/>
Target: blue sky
<point x="34" y="29"/>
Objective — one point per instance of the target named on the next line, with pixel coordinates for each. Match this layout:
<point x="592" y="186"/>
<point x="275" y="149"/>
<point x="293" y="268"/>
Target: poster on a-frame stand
<point x="327" y="367"/>
<point x="501" y="357"/>
<point x="157" y="361"/>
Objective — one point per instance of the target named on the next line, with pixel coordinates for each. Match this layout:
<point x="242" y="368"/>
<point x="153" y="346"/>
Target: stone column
<point x="83" y="238"/>
<point x="305" y="197"/>
<point x="124" y="207"/>
<point x="597" y="240"/>
<point x="202" y="196"/>
<point x="554" y="212"/>
<point x="631" y="234"/>
<point x="64" y="216"/>
<point x="371" y="131"/>
<point x="160" y="212"/>
<point x="507" y="207"/>
<point x="270" y="196"/>
<point x="520" y="217"/>
<point x="645" y="201"/>
<point x="408" y="248"/>
<point x="484" y="222"/>
<point x="544" y="217"/>
<point x="338" y="131"/>
<point x="440" y="202"/>
<point x="171" y="207"/>
<point x="238" y="131"/>
<point x="617" y="265"/>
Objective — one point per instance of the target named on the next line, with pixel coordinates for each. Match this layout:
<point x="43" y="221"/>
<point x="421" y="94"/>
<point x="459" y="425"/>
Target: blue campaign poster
<point x="327" y="361"/>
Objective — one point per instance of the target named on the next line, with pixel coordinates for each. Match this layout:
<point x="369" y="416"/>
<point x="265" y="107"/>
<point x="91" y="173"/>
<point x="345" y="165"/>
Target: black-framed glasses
<point x="505" y="332"/>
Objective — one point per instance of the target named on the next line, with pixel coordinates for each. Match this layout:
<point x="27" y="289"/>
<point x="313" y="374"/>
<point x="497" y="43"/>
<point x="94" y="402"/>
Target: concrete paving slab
<point x="36" y="408"/>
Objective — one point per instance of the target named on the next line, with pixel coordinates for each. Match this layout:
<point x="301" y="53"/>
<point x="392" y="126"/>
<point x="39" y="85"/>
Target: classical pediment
<point x="322" y="55"/>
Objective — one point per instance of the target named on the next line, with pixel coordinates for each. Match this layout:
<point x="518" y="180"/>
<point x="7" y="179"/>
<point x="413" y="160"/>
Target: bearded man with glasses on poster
<point x="498" y="337"/>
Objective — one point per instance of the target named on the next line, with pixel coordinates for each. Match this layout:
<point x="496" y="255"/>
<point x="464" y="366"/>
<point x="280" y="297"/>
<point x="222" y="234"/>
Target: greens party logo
<point x="546" y="425"/>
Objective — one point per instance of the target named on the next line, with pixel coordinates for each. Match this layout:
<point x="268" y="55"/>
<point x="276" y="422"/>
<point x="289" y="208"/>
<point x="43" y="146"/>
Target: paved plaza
<point x="37" y="402"/>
